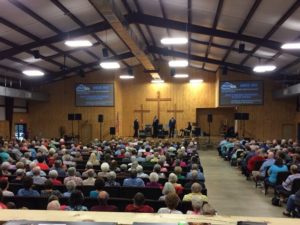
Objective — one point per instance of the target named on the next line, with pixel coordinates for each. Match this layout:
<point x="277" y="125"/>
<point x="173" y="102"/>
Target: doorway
<point x="20" y="131"/>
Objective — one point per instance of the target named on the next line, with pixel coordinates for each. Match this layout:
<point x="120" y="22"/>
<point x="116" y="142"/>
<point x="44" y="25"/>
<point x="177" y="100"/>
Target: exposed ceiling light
<point x="178" y="63"/>
<point x="174" y="41"/>
<point x="126" y="77"/>
<point x="78" y="43"/>
<point x="181" y="75"/>
<point x="33" y="73"/>
<point x="196" y="81"/>
<point x="295" y="45"/>
<point x="264" y="68"/>
<point x="157" y="81"/>
<point x="110" y="65"/>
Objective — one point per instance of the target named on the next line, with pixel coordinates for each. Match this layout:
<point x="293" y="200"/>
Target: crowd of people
<point x="273" y="164"/>
<point x="42" y="167"/>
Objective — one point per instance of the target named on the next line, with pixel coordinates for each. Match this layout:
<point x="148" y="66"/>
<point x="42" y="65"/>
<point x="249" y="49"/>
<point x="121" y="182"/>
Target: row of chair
<point x="116" y="192"/>
<point x="40" y="203"/>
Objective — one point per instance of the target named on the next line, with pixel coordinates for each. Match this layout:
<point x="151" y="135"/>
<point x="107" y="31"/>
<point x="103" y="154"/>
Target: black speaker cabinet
<point x="100" y="118"/>
<point x="112" y="131"/>
<point x="71" y="116"/>
<point x="77" y="116"/>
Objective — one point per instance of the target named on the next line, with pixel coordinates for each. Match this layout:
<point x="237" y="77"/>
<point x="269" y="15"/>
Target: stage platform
<point x="130" y="218"/>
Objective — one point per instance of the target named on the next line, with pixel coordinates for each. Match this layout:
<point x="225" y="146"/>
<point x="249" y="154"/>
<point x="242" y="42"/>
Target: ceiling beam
<point x="30" y="35"/>
<point x="108" y="10"/>
<point x="287" y="15"/>
<point x="14" y="45"/>
<point x="244" y="25"/>
<point x="55" y="76"/>
<point x="40" y="19"/>
<point x="97" y="27"/>
<point x="225" y="47"/>
<point x="168" y="52"/>
<point x="176" y="25"/>
<point x="215" y="23"/>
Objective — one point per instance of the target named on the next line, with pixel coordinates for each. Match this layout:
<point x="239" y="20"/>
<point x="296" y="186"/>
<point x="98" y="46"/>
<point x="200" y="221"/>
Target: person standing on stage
<point x="172" y="125"/>
<point x="155" y="126"/>
<point x="136" y="127"/>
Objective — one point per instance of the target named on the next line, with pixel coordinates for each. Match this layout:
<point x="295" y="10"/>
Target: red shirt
<point x="2" y="206"/>
<point x="105" y="208"/>
<point x="252" y="161"/>
<point x="43" y="166"/>
<point x="56" y="182"/>
<point x="141" y="209"/>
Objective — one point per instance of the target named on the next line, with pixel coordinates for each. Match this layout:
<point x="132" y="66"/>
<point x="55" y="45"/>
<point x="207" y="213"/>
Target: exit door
<point x="20" y="131"/>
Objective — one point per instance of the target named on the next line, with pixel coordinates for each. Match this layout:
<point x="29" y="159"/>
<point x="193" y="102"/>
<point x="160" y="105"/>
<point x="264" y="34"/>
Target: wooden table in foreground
<point x="129" y="218"/>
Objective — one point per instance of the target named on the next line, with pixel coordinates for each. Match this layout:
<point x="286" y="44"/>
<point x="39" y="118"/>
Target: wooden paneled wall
<point x="265" y="121"/>
<point x="45" y="119"/>
<point x="186" y="96"/>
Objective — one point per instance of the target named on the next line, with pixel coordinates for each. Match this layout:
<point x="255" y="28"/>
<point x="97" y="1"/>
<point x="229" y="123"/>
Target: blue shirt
<point x="265" y="165"/>
<point x="4" y="156"/>
<point x="133" y="182"/>
<point x="274" y="170"/>
<point x="200" y="176"/>
<point x="28" y="193"/>
<point x="94" y="194"/>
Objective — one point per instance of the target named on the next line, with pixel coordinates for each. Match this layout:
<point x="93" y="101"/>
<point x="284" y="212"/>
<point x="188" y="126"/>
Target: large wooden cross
<point x="142" y="111"/>
<point x="158" y="100"/>
<point x="175" y="110"/>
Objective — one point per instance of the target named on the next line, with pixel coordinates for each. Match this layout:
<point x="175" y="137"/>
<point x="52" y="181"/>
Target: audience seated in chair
<point x="70" y="186"/>
<point x="197" y="204"/>
<point x="133" y="181"/>
<point x="90" y="180"/>
<point x="153" y="181"/>
<point x="173" y="179"/>
<point x="138" y="205"/>
<point x="4" y="184"/>
<point x="75" y="202"/>
<point x="2" y="205"/>
<point x="277" y="167"/>
<point x="99" y="184"/>
<point x="168" y="188"/>
<point x="72" y="176"/>
<point x="172" y="200"/>
<point x="48" y="190"/>
<point x="103" y="197"/>
<point x="37" y="178"/>
<point x="196" y="191"/>
<point x="27" y="188"/>
<point x="111" y="180"/>
<point x="292" y="203"/>
<point x="285" y="188"/>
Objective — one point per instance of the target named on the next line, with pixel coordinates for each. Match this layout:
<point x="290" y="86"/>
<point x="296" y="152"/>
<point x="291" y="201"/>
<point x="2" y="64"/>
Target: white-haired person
<point x="168" y="188"/>
<point x="111" y="180"/>
<point x="105" y="168"/>
<point x="140" y="173"/>
<point x="197" y="204"/>
<point x="153" y="178"/>
<point x="32" y="165"/>
<point x="72" y="176"/>
<point x="70" y="186"/>
<point x="53" y="177"/>
<point x="173" y="179"/>
<point x="37" y="178"/>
